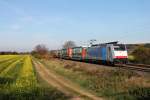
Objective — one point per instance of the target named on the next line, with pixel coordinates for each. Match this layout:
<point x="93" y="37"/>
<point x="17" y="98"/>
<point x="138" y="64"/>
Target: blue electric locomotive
<point x="107" y="53"/>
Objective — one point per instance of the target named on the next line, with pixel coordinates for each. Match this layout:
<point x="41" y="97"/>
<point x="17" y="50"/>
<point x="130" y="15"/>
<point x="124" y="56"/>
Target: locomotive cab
<point x="120" y="54"/>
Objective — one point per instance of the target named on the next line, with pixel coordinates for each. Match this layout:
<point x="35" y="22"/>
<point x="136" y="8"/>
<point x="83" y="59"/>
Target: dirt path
<point x="63" y="84"/>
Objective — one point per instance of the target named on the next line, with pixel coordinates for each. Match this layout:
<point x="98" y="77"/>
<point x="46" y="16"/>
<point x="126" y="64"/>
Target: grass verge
<point x="115" y="84"/>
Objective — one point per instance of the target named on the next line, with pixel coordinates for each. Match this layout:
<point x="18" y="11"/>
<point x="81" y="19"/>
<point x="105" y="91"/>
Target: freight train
<point x="106" y="53"/>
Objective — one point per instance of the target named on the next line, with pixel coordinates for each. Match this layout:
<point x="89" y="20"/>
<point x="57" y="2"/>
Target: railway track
<point x="137" y="67"/>
<point x="130" y="66"/>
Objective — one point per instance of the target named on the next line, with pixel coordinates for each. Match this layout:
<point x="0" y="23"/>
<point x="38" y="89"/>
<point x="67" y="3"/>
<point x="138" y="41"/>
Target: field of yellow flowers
<point x="18" y="80"/>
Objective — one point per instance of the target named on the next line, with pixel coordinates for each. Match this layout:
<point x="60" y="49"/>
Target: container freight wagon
<point x="69" y="53"/>
<point x="65" y="53"/>
<point x="78" y="53"/>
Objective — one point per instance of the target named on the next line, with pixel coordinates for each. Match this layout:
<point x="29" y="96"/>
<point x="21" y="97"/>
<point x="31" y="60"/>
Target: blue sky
<point x="26" y="23"/>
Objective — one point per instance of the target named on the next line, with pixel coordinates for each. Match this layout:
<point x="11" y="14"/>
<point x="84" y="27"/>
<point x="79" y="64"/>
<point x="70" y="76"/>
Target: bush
<point x="131" y="58"/>
<point x="141" y="55"/>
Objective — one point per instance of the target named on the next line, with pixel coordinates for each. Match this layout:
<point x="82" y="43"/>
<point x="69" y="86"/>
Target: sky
<point x="26" y="23"/>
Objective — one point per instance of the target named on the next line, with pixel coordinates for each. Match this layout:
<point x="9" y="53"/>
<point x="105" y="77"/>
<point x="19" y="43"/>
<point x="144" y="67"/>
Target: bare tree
<point x="41" y="49"/>
<point x="69" y="44"/>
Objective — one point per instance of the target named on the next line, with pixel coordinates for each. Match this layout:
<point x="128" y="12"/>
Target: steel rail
<point x="134" y="67"/>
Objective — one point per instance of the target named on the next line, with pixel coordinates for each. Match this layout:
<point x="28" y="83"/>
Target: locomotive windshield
<point x="119" y="47"/>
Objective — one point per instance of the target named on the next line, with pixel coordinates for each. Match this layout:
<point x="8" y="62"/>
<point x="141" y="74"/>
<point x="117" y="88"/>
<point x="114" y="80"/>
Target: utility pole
<point x="91" y="42"/>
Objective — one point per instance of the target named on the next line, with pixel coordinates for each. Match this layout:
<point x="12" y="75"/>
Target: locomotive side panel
<point x="96" y="53"/>
<point x="93" y="53"/>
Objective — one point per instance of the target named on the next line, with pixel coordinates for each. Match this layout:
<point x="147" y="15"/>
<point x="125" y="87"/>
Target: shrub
<point x="142" y="55"/>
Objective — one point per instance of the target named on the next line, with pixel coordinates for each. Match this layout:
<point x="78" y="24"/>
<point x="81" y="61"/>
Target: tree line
<point x="8" y="52"/>
<point x="41" y="51"/>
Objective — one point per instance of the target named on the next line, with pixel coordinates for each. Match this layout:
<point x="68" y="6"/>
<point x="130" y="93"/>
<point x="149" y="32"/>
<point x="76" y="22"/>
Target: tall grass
<point x="110" y="83"/>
